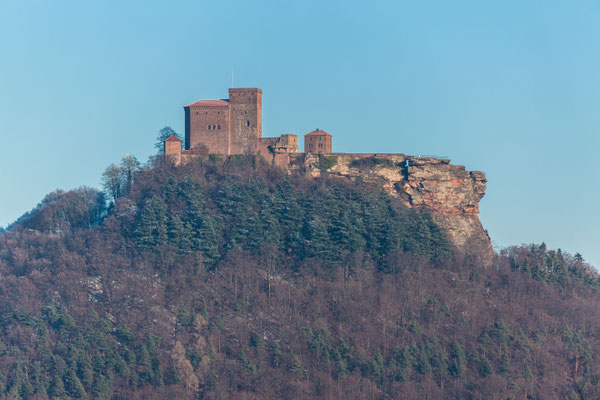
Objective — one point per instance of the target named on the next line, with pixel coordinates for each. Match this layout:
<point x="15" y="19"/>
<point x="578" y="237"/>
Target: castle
<point x="234" y="126"/>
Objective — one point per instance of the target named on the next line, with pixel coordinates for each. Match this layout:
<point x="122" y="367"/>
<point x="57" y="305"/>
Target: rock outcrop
<point x="450" y="192"/>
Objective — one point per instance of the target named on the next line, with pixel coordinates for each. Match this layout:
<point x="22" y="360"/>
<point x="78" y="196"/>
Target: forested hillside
<point x="230" y="279"/>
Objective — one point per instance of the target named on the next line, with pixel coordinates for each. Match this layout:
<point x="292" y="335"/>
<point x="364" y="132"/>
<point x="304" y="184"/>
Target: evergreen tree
<point x="289" y="212"/>
<point x="38" y="379"/>
<point x="485" y="366"/>
<point x="316" y="239"/>
<point x="346" y="232"/>
<point x="102" y="388"/>
<point x="152" y="229"/>
<point x="180" y="234"/>
<point x="438" y="357"/>
<point x="163" y="134"/>
<point x="458" y="360"/>
<point x="57" y="387"/>
<point x="85" y="371"/>
<point x="20" y="386"/>
<point x="421" y="362"/>
<point x="73" y="385"/>
<point x="504" y="364"/>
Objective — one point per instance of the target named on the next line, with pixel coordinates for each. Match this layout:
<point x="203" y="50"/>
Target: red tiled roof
<point x="172" y="138"/>
<point x="209" y="103"/>
<point x="317" y="132"/>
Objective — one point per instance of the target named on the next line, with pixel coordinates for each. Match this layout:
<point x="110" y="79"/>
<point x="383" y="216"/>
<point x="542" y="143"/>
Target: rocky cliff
<point x="450" y="192"/>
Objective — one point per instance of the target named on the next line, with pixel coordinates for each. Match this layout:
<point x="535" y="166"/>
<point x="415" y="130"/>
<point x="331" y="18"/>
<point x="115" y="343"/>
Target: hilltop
<point x="228" y="277"/>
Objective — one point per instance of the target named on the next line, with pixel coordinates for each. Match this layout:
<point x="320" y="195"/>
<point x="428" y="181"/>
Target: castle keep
<point x="231" y="126"/>
<point x="234" y="126"/>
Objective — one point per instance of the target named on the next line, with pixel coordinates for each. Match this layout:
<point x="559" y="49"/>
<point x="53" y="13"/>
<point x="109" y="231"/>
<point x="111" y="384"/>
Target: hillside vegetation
<point x="223" y="280"/>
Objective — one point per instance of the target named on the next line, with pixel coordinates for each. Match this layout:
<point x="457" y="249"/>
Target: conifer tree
<point x="73" y="385"/>
<point x="102" y="388"/>
<point x="458" y="360"/>
<point x="485" y="366"/>
<point x="163" y="134"/>
<point x="207" y="240"/>
<point x="180" y="233"/>
<point x="85" y="371"/>
<point x="152" y="229"/>
<point x="316" y="239"/>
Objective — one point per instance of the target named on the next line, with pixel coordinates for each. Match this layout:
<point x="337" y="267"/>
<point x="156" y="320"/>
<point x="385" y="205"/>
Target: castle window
<point x="209" y="127"/>
<point x="213" y="127"/>
<point x="196" y="112"/>
<point x="247" y="123"/>
<point x="218" y="127"/>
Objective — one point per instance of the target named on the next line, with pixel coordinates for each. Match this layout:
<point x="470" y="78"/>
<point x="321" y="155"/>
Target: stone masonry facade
<point x="230" y="126"/>
<point x="318" y="142"/>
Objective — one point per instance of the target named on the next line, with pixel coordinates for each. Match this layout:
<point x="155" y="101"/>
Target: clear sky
<point x="508" y="87"/>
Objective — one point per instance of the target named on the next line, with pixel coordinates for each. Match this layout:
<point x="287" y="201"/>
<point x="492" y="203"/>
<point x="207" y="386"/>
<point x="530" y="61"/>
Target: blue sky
<point x="511" y="88"/>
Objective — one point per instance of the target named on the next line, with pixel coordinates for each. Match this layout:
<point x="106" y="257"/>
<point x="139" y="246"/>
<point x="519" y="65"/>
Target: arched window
<point x="209" y="127"/>
<point x="247" y="123"/>
<point x="218" y="127"/>
<point x="213" y="127"/>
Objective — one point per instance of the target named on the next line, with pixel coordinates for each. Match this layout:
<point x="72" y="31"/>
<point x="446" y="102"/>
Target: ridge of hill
<point x="233" y="279"/>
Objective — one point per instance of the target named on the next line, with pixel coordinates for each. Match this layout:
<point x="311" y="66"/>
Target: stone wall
<point x="277" y="149"/>
<point x="208" y="126"/>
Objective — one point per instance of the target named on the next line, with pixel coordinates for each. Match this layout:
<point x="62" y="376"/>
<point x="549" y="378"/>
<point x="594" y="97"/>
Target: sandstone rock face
<point x="450" y="192"/>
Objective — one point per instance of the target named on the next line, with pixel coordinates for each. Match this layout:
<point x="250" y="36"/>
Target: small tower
<point x="317" y="141"/>
<point x="173" y="149"/>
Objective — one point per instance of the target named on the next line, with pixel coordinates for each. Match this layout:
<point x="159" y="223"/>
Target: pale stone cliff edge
<point x="449" y="192"/>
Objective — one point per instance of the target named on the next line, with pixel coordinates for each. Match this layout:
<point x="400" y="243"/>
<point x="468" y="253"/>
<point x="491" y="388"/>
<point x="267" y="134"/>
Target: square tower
<point x="318" y="141"/>
<point x="245" y="120"/>
<point x="172" y="148"/>
<point x="207" y="126"/>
